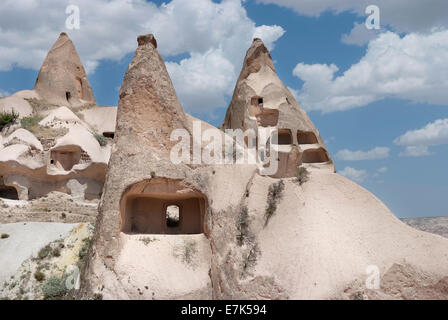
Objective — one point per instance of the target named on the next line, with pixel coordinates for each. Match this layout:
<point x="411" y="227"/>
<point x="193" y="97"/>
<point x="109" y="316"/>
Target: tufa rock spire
<point x="261" y="101"/>
<point x="62" y="79"/>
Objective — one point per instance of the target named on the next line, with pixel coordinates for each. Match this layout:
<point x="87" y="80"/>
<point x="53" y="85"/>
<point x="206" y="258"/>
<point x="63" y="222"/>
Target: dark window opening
<point x="8" y="193"/>
<point x="260" y="100"/>
<point x="109" y="134"/>
<point x="306" y="137"/>
<point x="315" y="156"/>
<point x="52" y="161"/>
<point x="67" y="95"/>
<point x="172" y="216"/>
<point x="284" y="137"/>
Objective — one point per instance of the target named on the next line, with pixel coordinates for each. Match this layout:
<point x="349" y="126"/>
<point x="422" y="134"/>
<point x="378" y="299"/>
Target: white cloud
<point x="269" y="34"/>
<point x="434" y="133"/>
<point x="412" y="67"/>
<point x="415" y="151"/>
<point x="400" y="15"/>
<point x="375" y="153"/>
<point x="417" y="141"/>
<point x="354" y="174"/>
<point x="214" y="35"/>
<point x="211" y="71"/>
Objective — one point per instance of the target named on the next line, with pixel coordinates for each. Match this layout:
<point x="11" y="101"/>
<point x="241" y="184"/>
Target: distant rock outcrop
<point x="62" y="79"/>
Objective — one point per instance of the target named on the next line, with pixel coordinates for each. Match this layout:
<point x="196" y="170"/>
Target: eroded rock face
<point x="262" y="102"/>
<point x="239" y="235"/>
<point x="62" y="79"/>
<point x="49" y="145"/>
<point x="141" y="176"/>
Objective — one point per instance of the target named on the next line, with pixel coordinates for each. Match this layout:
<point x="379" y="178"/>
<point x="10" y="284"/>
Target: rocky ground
<point x="437" y="225"/>
<point x="42" y="260"/>
<point x="55" y="207"/>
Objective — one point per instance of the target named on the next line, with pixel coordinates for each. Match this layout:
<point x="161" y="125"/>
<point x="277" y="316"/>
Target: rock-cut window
<point x="172" y="216"/>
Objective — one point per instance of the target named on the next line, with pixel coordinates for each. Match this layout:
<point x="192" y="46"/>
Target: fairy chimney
<point x="261" y="101"/>
<point x="62" y="79"/>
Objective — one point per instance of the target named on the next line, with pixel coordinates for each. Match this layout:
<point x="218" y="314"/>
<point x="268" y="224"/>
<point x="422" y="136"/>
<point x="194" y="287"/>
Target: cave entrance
<point x="306" y="137"/>
<point x="162" y="207"/>
<point x="65" y="157"/>
<point x="7" y="192"/>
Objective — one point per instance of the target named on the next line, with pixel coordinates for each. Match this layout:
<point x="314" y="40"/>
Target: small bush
<point x="302" y="175"/>
<point x="56" y="252"/>
<point x="153" y="174"/>
<point x="7" y="118"/>
<point x="54" y="288"/>
<point x="39" y="275"/>
<point x="29" y="123"/>
<point x="274" y="194"/>
<point x="101" y="139"/>
<point x="4" y="235"/>
<point x="243" y="225"/>
<point x="97" y="296"/>
<point x="44" y="252"/>
<point x="85" y="248"/>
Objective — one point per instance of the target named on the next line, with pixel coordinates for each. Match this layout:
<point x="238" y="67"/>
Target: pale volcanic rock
<point x="315" y="244"/>
<point x="101" y="119"/>
<point x="140" y="167"/>
<point x="62" y="78"/>
<point x="24" y="136"/>
<point x="16" y="104"/>
<point x="263" y="103"/>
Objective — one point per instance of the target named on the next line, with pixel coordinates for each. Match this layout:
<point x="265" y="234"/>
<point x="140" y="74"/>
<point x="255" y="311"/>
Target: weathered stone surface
<point x="262" y="102"/>
<point x="62" y="79"/>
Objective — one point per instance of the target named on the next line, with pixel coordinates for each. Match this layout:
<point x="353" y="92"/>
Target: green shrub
<point x="243" y="225"/>
<point x="8" y="117"/>
<point x="153" y="174"/>
<point x="31" y="122"/>
<point x="97" y="296"/>
<point x="4" y="235"/>
<point x="44" y="252"/>
<point x="101" y="139"/>
<point x="56" y="252"/>
<point x="302" y="175"/>
<point x="85" y="248"/>
<point x="274" y="194"/>
<point x="39" y="275"/>
<point x="54" y="288"/>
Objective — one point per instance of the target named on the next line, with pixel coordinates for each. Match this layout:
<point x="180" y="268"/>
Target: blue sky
<point x="312" y="57"/>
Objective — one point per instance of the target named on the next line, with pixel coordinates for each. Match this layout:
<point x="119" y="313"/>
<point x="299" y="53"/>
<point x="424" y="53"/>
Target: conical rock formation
<point x="141" y="184"/>
<point x="170" y="231"/>
<point x="62" y="79"/>
<point x="262" y="102"/>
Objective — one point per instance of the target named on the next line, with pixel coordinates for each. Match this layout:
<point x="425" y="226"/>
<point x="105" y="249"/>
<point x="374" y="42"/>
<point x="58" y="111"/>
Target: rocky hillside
<point x="437" y="225"/>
